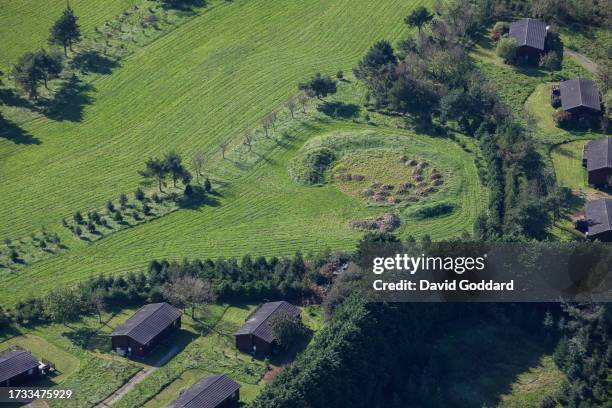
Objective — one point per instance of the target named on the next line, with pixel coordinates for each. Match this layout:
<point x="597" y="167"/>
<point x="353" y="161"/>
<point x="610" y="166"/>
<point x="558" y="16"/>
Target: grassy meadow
<point x="200" y="84"/>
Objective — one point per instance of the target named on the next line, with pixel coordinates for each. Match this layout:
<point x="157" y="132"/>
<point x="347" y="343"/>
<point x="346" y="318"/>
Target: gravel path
<point x="582" y="60"/>
<point x="140" y="376"/>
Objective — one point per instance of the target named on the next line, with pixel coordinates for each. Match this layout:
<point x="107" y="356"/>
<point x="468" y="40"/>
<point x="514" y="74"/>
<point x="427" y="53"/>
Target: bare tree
<point x="98" y="303"/>
<point x="198" y="161"/>
<point x="291" y="106"/>
<point x="248" y="139"/>
<point x="273" y="118"/>
<point x="188" y="291"/>
<point x="266" y="124"/>
<point x="223" y="147"/>
<point x="303" y="100"/>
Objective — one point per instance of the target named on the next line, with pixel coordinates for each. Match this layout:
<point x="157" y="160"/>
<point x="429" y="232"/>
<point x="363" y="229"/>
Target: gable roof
<point x="13" y="363"/>
<point x="148" y="322"/>
<point x="258" y="323"/>
<point x="599" y="216"/>
<point x="529" y="32"/>
<point x="206" y="393"/>
<point x="579" y="92"/>
<point x="599" y="154"/>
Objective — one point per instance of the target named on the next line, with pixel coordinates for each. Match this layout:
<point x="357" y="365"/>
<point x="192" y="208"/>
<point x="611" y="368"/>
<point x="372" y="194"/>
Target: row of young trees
<point x="34" y="68"/>
<point x="158" y="170"/>
<point x="190" y="284"/>
<point x="319" y="86"/>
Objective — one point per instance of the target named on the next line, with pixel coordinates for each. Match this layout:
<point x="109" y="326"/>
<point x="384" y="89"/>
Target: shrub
<point x="340" y="75"/>
<point x="139" y="194"/>
<point x="550" y="61"/>
<point x="91" y="227"/>
<point x="435" y="210"/>
<point x="310" y="167"/>
<point x="563" y="119"/>
<point x="499" y="29"/>
<point x="156" y="198"/>
<point x="118" y="217"/>
<point x="555" y="102"/>
<point x="78" y="231"/>
<point x="207" y="185"/>
<point x="110" y="206"/>
<point x="506" y="49"/>
<point x="146" y="209"/>
<point x="123" y="200"/>
<point x="78" y="217"/>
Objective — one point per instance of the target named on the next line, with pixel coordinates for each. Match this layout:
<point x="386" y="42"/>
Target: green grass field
<point x="26" y="23"/>
<point x="204" y="82"/>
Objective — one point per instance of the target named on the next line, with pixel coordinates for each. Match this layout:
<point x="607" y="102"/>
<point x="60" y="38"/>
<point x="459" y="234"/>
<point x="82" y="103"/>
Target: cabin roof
<point x="258" y="323"/>
<point x="529" y="32"/>
<point x="579" y="92"/>
<point x="209" y="392"/>
<point x="15" y="362"/>
<point x="599" y="216"/>
<point x="599" y="154"/>
<point x="148" y="322"/>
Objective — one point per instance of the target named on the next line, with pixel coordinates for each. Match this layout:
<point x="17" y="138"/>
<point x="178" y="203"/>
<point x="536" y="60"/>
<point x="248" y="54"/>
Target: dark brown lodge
<point x="599" y="219"/>
<point x="580" y="96"/>
<point x="146" y="328"/>
<point x="18" y="367"/>
<point x="256" y="335"/>
<point x="530" y="36"/>
<point x="598" y="160"/>
<point x="216" y="391"/>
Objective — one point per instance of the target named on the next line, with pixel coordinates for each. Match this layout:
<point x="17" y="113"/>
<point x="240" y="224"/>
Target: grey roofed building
<point x="257" y="323"/>
<point x="529" y="32"/>
<point x="16" y="362"/>
<point x="599" y="217"/>
<point x="598" y="154"/>
<point x="209" y="392"/>
<point x="149" y="321"/>
<point x="579" y="93"/>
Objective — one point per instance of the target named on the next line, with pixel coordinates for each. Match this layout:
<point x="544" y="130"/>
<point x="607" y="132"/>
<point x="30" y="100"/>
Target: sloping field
<point x="206" y="81"/>
<point x="263" y="213"/>
<point x="24" y="24"/>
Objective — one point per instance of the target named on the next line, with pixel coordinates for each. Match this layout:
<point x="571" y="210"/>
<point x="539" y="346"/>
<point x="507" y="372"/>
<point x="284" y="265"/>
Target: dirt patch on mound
<point x="385" y="223"/>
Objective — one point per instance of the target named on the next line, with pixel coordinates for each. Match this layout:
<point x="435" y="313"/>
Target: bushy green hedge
<point x="309" y="168"/>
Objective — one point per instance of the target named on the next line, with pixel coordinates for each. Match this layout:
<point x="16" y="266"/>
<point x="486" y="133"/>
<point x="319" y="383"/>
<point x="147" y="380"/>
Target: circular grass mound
<point x="387" y="176"/>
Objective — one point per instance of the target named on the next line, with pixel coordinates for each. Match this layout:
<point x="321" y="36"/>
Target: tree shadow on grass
<point x="12" y="132"/>
<point x="470" y="352"/>
<point x="198" y="198"/>
<point x="187" y="7"/>
<point x="9" y="97"/>
<point x="69" y="101"/>
<point x="339" y="110"/>
<point x="88" y="338"/>
<point x="94" y="62"/>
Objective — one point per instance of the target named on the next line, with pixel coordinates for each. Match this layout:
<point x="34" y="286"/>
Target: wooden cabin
<point x="256" y="336"/>
<point x="599" y="219"/>
<point x="19" y="367"/>
<point x="580" y="96"/>
<point x="145" y="329"/>
<point x="215" y="391"/>
<point x="597" y="158"/>
<point x="530" y="36"/>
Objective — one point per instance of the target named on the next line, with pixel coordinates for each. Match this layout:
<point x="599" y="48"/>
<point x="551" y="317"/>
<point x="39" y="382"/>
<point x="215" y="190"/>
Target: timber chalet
<point x="20" y="367"/>
<point x="256" y="335"/>
<point x="215" y="391"/>
<point x="145" y="329"/>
